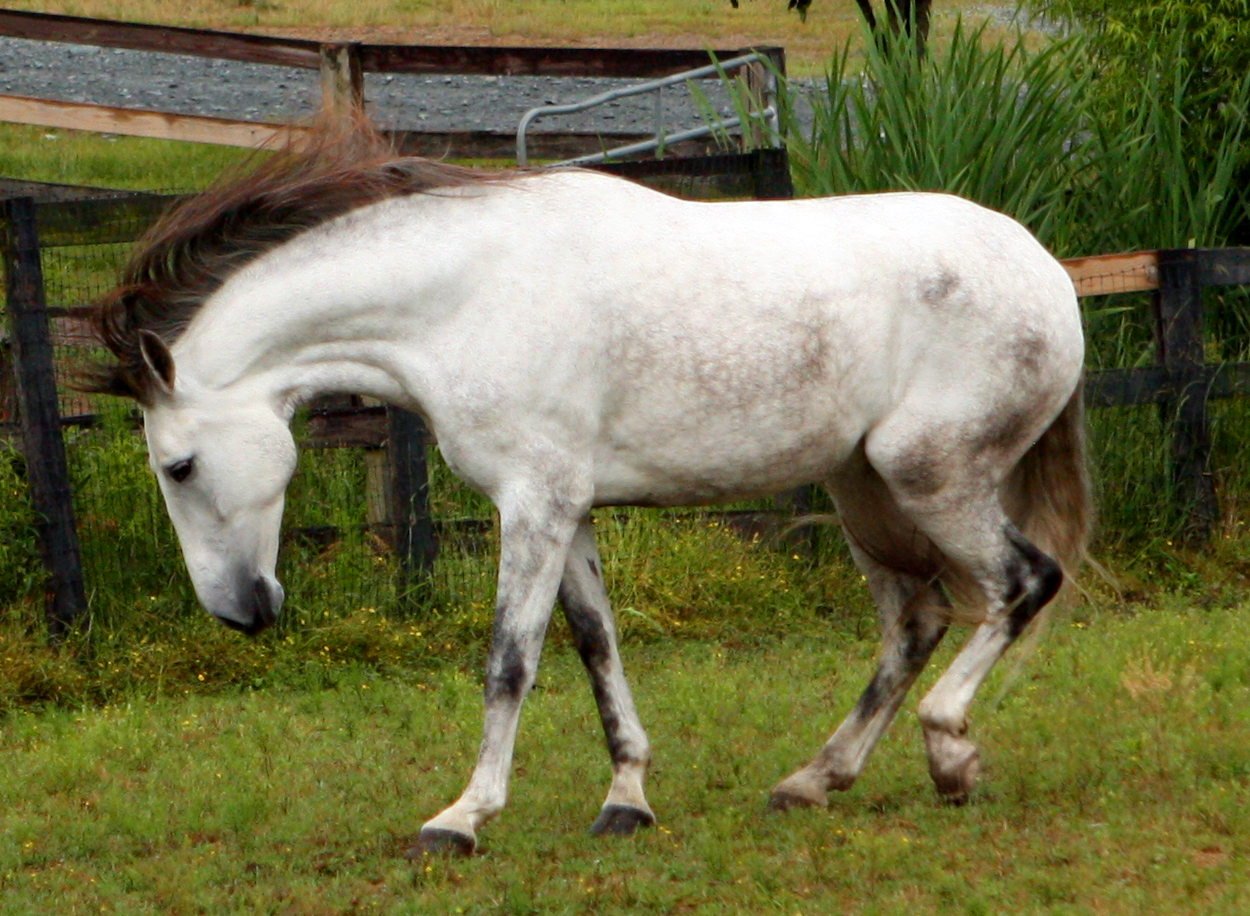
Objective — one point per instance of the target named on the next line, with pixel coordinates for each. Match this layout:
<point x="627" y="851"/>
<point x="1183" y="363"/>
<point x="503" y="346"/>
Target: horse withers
<point x="574" y="340"/>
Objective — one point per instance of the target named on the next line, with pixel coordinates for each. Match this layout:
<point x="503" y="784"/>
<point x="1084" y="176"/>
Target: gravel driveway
<point x="219" y="88"/>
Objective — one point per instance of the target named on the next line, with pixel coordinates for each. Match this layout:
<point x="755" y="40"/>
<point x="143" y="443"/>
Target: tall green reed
<point x="997" y="123"/>
<point x="1031" y="133"/>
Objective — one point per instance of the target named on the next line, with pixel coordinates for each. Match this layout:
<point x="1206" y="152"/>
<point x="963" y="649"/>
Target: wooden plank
<point x="762" y="174"/>
<point x="134" y="36"/>
<point x="46" y="191"/>
<point x="73" y="330"/>
<point x="358" y="427"/>
<point x="1126" y="387"/>
<point x="642" y="63"/>
<point x="1105" y="274"/>
<point x="414" y="537"/>
<point x="1228" y="380"/>
<point x="342" y="79"/>
<point x="134" y="122"/>
<point x="1224" y="266"/>
<point x="379" y="58"/>
<point x="1136" y="387"/>
<point x="1182" y="354"/>
<point x="483" y="144"/>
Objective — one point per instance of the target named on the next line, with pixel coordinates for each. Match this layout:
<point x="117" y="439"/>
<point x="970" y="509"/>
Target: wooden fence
<point x="1181" y="381"/>
<point x="342" y="67"/>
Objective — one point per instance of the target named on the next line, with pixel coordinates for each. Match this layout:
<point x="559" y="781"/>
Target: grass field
<point x="1118" y="775"/>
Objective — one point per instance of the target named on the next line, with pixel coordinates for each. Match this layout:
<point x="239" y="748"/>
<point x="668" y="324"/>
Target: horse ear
<point x="159" y="360"/>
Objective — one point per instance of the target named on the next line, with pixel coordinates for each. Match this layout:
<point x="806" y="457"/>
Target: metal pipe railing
<point x="768" y="114"/>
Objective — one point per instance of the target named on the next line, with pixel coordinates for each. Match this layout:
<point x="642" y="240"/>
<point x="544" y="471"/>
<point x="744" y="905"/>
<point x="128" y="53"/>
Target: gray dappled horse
<point x="574" y="340"/>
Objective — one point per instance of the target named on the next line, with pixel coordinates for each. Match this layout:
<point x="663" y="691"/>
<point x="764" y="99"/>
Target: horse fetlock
<point x="954" y="764"/>
<point x="627" y="787"/>
<point x="936" y="718"/>
<point x="454" y="830"/>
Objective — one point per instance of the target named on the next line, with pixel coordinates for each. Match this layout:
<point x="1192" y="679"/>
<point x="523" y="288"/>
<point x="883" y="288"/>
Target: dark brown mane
<point x="191" y="251"/>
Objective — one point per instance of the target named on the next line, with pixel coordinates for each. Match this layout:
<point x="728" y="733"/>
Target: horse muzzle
<point x="258" y="608"/>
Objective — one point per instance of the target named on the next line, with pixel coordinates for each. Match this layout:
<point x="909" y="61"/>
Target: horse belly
<point x="693" y="463"/>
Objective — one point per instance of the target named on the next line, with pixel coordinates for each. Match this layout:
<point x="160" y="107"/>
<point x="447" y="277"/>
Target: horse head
<point x="223" y="462"/>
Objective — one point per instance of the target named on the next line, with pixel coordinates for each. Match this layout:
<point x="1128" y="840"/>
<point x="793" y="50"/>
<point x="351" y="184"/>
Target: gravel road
<point x="218" y="88"/>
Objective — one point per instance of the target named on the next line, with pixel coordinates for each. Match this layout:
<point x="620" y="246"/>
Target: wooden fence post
<point x="415" y="539"/>
<point x="342" y="79"/>
<point x="759" y="85"/>
<point x="1182" y="355"/>
<point x="35" y="375"/>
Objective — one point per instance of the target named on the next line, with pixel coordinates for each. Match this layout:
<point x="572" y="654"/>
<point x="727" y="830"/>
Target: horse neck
<point x="293" y="334"/>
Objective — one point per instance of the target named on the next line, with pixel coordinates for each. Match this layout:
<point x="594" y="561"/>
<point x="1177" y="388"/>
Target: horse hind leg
<point x="956" y="504"/>
<point x="589" y="614"/>
<point x="914" y="617"/>
<point x="1027" y="580"/>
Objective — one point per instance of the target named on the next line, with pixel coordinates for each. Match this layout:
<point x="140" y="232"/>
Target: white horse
<point x="575" y="340"/>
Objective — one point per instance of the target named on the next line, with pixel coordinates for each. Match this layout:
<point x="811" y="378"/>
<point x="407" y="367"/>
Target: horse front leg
<point x="535" y="535"/>
<point x="589" y="613"/>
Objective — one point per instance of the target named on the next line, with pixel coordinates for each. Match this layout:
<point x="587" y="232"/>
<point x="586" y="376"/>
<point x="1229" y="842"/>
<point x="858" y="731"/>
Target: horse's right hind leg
<point x="914" y="617"/>
<point x="955" y="504"/>
<point x="1028" y="580"/>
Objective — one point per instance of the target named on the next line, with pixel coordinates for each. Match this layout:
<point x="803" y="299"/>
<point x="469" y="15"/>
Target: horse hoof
<point x="621" y="820"/>
<point x="782" y="800"/>
<point x="954" y="768"/>
<point x="435" y="841"/>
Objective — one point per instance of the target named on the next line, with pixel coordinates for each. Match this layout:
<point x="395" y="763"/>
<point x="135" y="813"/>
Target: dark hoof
<point x="435" y="842"/>
<point x="621" y="820"/>
<point x="784" y="801"/>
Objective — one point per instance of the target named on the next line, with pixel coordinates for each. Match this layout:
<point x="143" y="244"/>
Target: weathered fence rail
<point x="35" y="381"/>
<point x="1181" y="382"/>
<point x="342" y="67"/>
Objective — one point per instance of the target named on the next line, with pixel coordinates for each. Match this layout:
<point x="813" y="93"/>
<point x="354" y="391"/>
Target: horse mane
<point x="338" y="166"/>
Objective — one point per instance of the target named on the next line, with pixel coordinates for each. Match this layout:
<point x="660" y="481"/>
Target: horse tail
<point x="1050" y="498"/>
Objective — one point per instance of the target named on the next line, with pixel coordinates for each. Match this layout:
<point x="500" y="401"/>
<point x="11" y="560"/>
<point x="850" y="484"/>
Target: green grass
<point x="100" y="160"/>
<point x="1118" y="773"/>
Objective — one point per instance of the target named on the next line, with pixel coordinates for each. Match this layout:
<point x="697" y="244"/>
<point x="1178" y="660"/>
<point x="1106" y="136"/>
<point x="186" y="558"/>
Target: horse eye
<point x="180" y="470"/>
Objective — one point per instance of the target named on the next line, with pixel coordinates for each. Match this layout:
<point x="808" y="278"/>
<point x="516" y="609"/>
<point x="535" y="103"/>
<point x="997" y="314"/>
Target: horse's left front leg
<point x="589" y="613"/>
<point x="535" y="535"/>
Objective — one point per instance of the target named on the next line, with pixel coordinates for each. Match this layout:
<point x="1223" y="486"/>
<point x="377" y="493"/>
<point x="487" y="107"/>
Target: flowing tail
<point x="1050" y="498"/>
